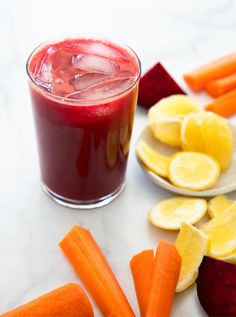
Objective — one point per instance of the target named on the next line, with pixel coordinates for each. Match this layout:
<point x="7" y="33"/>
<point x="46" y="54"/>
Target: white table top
<point x="181" y="34"/>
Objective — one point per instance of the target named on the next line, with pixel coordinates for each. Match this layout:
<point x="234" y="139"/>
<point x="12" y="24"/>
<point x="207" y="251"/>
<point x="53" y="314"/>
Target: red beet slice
<point x="216" y="287"/>
<point x="156" y="84"/>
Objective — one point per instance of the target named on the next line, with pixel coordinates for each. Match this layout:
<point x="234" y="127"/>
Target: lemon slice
<point x="192" y="170"/>
<point x="154" y="161"/>
<point x="192" y="245"/>
<point x="218" y="204"/>
<point x="208" y="133"/>
<point x="165" y="117"/>
<point x="221" y="231"/>
<point x="170" y="213"/>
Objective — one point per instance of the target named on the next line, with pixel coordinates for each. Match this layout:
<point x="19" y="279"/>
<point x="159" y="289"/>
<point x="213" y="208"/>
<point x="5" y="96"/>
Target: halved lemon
<point x="208" y="133"/>
<point x="192" y="245"/>
<point x="192" y="170"/>
<point x="218" y="204"/>
<point x="170" y="213"/>
<point x="154" y="161"/>
<point x="165" y="117"/>
<point x="221" y="231"/>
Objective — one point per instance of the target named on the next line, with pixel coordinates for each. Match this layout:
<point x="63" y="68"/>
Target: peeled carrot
<point x="93" y="269"/>
<point x="142" y="265"/>
<point x="165" y="278"/>
<point x="224" y="105"/>
<point x="220" y="86"/>
<point x="200" y="77"/>
<point x="67" y="301"/>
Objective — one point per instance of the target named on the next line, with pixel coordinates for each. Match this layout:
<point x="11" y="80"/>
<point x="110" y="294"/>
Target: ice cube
<point x="103" y="90"/>
<point x="101" y="49"/>
<point x="83" y="81"/>
<point x="125" y="74"/>
<point x="44" y="78"/>
<point x="61" y="64"/>
<point x="62" y="58"/>
<point x="61" y="88"/>
<point x="89" y="62"/>
<point x="42" y="73"/>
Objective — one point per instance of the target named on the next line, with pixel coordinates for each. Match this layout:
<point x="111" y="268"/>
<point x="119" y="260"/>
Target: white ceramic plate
<point x="225" y="184"/>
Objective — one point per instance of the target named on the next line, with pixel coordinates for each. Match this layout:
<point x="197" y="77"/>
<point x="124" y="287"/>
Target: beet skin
<point x="216" y="287"/>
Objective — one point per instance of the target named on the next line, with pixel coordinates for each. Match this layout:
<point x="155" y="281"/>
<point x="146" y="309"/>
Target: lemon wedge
<point x="192" y="245"/>
<point x="170" y="213"/>
<point x="221" y="231"/>
<point x="154" y="161"/>
<point x="218" y="204"/>
<point x="192" y="170"/>
<point x="208" y="133"/>
<point x="165" y="117"/>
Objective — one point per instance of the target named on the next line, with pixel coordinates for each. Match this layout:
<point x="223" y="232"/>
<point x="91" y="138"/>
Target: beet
<point x="216" y="287"/>
<point x="156" y="84"/>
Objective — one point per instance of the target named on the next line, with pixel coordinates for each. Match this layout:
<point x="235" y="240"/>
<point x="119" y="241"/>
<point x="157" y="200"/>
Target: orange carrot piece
<point x="224" y="105"/>
<point x="93" y="269"/>
<point x="221" y="86"/>
<point x="165" y="278"/>
<point x="142" y="265"/>
<point x="200" y="77"/>
<point x="67" y="301"/>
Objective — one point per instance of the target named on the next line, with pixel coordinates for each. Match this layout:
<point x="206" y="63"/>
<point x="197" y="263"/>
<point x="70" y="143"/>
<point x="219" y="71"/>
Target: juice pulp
<point x="84" y="95"/>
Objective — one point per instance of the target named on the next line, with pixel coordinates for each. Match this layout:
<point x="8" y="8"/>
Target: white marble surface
<point x="182" y="34"/>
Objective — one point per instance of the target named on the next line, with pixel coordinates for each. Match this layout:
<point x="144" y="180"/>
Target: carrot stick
<point x="220" y="86"/>
<point x="67" y="301"/>
<point x="200" y="77"/>
<point x="142" y="265"/>
<point x="165" y="278"/>
<point x="93" y="269"/>
<point x="224" y="105"/>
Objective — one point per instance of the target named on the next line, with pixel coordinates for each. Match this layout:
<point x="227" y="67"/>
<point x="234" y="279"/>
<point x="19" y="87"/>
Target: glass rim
<point x="71" y="101"/>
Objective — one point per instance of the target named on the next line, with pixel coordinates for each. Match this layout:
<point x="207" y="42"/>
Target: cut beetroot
<point x="216" y="287"/>
<point x="156" y="84"/>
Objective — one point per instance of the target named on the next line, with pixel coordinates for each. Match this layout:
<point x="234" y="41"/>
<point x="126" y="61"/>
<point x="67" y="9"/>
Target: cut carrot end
<point x="209" y="108"/>
<point x="142" y="265"/>
<point x="224" y="105"/>
<point x="166" y="272"/>
<point x="221" y="86"/>
<point x="68" y="300"/>
<point x="191" y="82"/>
<point x="199" y="78"/>
<point x="90" y="264"/>
<point x="213" y="90"/>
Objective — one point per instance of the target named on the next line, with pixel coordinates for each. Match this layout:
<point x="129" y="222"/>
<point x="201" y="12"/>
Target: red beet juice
<point x="84" y="95"/>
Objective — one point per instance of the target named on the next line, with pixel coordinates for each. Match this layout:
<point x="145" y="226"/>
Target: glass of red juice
<point x="84" y="96"/>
